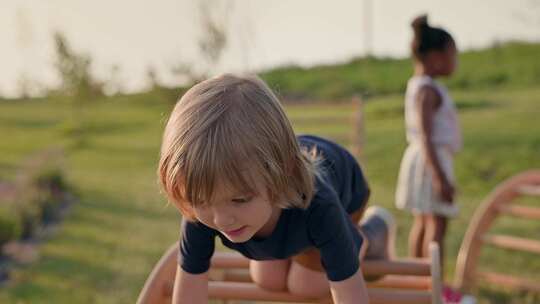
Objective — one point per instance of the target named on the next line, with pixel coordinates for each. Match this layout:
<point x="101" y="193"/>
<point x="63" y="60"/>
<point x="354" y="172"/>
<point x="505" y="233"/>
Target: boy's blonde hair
<point x="226" y="126"/>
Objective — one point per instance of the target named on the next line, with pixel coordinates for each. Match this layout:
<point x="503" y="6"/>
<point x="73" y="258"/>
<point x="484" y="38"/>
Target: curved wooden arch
<point x="498" y="202"/>
<point x="405" y="280"/>
<point x="159" y="284"/>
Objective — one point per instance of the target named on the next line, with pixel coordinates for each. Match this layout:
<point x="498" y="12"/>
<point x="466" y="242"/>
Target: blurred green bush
<point x="34" y="198"/>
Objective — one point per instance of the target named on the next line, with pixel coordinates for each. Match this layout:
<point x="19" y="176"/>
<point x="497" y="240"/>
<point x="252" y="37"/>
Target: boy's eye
<point x="241" y="200"/>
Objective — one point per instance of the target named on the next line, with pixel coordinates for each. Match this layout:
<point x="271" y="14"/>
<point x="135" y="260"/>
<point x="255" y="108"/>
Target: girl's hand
<point x="445" y="190"/>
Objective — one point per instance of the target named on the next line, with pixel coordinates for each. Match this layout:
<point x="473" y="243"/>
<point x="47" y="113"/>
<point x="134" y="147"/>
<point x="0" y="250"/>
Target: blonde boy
<point x="231" y="163"/>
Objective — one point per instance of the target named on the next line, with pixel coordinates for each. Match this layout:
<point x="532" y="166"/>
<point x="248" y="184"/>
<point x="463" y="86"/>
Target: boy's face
<point x="239" y="216"/>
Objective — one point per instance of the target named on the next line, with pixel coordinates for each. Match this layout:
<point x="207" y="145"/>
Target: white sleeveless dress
<point x="415" y="190"/>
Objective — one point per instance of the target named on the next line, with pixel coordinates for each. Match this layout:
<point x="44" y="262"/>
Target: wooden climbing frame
<point x="405" y="281"/>
<point x="500" y="202"/>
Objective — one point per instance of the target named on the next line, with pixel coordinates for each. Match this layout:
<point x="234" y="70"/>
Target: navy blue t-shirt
<point x="341" y="189"/>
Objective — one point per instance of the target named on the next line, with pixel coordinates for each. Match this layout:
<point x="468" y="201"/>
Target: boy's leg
<point x="271" y="275"/>
<point x="378" y="228"/>
<point x="307" y="282"/>
<point x="307" y="276"/>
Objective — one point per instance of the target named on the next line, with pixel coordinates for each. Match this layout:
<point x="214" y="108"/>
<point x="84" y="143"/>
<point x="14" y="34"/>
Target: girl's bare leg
<point x="435" y="232"/>
<point x="417" y="235"/>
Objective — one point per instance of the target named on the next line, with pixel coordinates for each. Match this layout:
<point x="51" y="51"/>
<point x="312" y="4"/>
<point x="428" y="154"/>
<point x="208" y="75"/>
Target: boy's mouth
<point x="235" y="232"/>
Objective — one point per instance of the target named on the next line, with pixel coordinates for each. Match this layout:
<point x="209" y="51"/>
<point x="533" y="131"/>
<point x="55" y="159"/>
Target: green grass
<point x="507" y="65"/>
<point x="106" y="247"/>
<point x="501" y="139"/>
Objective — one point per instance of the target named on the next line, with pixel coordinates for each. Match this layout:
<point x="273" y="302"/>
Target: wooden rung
<point x="532" y="213"/>
<point x="393" y="281"/>
<point x="417" y="267"/>
<point x="533" y="190"/>
<point x="512" y="242"/>
<point x="236" y="275"/>
<point x="414" y="267"/>
<point x="510" y="281"/>
<point x="250" y="291"/>
<point x="386" y="296"/>
<point x="388" y="281"/>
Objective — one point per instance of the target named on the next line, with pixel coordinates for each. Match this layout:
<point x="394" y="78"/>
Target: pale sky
<point x="135" y="34"/>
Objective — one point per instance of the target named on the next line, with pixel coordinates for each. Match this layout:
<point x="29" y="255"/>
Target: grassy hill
<point x="106" y="247"/>
<point x="507" y="65"/>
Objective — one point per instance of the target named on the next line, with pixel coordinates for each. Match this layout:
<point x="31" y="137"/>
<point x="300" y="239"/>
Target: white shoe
<point x="379" y="226"/>
<point x="468" y="299"/>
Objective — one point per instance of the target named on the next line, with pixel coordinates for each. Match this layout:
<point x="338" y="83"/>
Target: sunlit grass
<point x="106" y="247"/>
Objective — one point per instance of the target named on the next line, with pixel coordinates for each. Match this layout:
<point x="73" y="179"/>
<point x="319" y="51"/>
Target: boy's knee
<point x="271" y="283"/>
<point x="307" y="283"/>
<point x="269" y="277"/>
<point x="304" y="289"/>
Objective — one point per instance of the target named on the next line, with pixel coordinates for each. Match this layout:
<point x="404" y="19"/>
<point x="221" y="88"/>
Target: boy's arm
<point x="351" y="290"/>
<point x="190" y="288"/>
<point x="332" y="234"/>
<point x="195" y="252"/>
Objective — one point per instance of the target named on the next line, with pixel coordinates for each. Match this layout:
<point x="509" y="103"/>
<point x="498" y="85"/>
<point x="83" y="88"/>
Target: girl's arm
<point x="190" y="288"/>
<point x="351" y="290"/>
<point x="428" y="100"/>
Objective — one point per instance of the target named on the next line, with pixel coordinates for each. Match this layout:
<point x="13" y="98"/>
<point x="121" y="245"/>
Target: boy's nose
<point x="223" y="219"/>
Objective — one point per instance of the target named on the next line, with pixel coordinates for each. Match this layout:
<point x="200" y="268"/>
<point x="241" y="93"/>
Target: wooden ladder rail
<point x="406" y="281"/>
